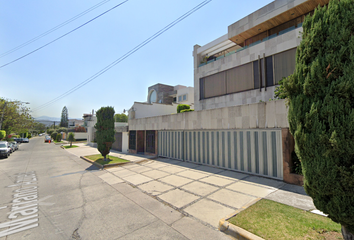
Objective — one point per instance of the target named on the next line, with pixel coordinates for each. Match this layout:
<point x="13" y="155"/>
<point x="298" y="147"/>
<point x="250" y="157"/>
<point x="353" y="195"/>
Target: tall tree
<point x="321" y="110"/>
<point x="105" y="130"/>
<point x="64" y="121"/>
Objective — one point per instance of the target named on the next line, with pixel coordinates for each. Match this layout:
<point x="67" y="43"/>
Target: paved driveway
<point x="205" y="193"/>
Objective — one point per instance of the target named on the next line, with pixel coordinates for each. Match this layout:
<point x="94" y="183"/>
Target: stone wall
<point x="262" y="115"/>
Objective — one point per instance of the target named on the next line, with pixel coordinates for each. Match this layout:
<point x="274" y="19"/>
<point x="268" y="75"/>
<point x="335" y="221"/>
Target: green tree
<point x="50" y="131"/>
<point x="120" y="117"/>
<point x="2" y="134"/>
<point x="16" y="116"/>
<point x="54" y="135"/>
<point x="71" y="138"/>
<point x="105" y="130"/>
<point x="320" y="96"/>
<point x="64" y="121"/>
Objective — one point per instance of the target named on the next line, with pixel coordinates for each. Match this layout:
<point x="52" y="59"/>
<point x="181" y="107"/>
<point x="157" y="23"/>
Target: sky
<point x="53" y="70"/>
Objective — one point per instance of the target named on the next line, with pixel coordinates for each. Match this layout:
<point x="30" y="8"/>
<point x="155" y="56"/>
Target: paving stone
<point x="155" y="174"/>
<point x="292" y="199"/>
<point x="176" y="181"/>
<point x="251" y="189"/>
<point x="178" y="198"/>
<point x="230" y="198"/>
<point x="155" y="187"/>
<point x="130" y="165"/>
<point x="265" y="182"/>
<point x="110" y="178"/>
<point x="115" y="169"/>
<point x="208" y="211"/>
<point x="232" y="175"/>
<point x="172" y="169"/>
<point x="199" y="188"/>
<point x="140" y="169"/>
<point x="218" y="181"/>
<point x="208" y="170"/>
<point x="155" y="165"/>
<point x="192" y="174"/>
<point x="137" y="179"/>
<point x="188" y="165"/>
<point x="123" y="173"/>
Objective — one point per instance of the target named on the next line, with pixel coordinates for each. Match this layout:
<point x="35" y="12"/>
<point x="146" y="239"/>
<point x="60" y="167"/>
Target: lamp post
<point x="3" y="111"/>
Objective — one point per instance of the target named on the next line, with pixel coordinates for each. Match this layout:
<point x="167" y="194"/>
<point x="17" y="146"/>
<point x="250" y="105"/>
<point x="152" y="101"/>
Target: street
<point x="49" y="193"/>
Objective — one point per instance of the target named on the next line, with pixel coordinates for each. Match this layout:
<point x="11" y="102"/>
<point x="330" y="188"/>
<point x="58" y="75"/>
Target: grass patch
<point x="98" y="158"/>
<point x="57" y="141"/>
<point x="73" y="146"/>
<point x="272" y="220"/>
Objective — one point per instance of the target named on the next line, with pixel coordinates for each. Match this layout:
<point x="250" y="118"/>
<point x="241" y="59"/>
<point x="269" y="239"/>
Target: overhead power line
<point x="64" y="34"/>
<point x="93" y="77"/>
<point x="53" y="29"/>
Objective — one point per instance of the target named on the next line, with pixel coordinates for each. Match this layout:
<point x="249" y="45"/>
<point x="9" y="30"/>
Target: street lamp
<point x="3" y="110"/>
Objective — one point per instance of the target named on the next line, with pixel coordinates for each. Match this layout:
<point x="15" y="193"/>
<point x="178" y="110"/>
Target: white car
<point x="5" y="149"/>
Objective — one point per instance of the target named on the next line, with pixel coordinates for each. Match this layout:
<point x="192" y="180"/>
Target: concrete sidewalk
<point x="206" y="194"/>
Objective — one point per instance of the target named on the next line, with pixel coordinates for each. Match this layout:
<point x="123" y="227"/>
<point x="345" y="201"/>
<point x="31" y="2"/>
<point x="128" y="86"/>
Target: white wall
<point x="143" y="110"/>
<point x="190" y="96"/>
<point x="125" y="142"/>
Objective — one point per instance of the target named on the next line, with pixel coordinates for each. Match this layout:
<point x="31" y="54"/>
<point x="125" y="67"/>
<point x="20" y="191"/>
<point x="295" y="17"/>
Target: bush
<point x="54" y="135"/>
<point x="187" y="110"/>
<point x="15" y="136"/>
<point x="181" y="107"/>
<point x="105" y="130"/>
<point x="58" y="139"/>
<point x="320" y="97"/>
<point x="29" y="135"/>
<point x="2" y="134"/>
<point x="71" y="138"/>
<point x="62" y="129"/>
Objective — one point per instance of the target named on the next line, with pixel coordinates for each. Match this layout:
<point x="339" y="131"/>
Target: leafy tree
<point x="58" y="138"/>
<point x="320" y="96"/>
<point x="120" y="117"/>
<point x="54" y="135"/>
<point x="16" y="118"/>
<point x="62" y="129"/>
<point x="105" y="130"/>
<point x="39" y="127"/>
<point x="50" y="131"/>
<point x="71" y="138"/>
<point x="181" y="107"/>
<point x="64" y="121"/>
<point x="2" y="134"/>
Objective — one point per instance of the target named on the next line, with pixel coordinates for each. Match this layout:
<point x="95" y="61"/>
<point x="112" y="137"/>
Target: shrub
<point x="54" y="135"/>
<point x="71" y="138"/>
<point x="181" y="107"/>
<point x="15" y="136"/>
<point x="29" y="135"/>
<point x="2" y="134"/>
<point x="58" y="139"/>
<point x="105" y="130"/>
<point x="187" y="110"/>
<point x="320" y="97"/>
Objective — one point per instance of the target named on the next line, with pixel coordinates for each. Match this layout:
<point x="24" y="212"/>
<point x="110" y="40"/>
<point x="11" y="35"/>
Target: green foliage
<point x="187" y="110"/>
<point x="15" y="136"/>
<point x="320" y="94"/>
<point x="62" y="129"/>
<point x="23" y="134"/>
<point x="120" y="117"/>
<point x="40" y="127"/>
<point x="54" y="135"/>
<point x="181" y="107"/>
<point x="50" y="131"/>
<point x="29" y="135"/>
<point x="64" y="121"/>
<point x="58" y="138"/>
<point x="2" y="134"/>
<point x="296" y="164"/>
<point x="105" y="129"/>
<point x="71" y="138"/>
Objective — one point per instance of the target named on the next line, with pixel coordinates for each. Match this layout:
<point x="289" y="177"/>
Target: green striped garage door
<point x="254" y="151"/>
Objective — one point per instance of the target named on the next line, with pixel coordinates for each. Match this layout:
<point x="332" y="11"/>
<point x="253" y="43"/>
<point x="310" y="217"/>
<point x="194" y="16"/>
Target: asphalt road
<point x="48" y="193"/>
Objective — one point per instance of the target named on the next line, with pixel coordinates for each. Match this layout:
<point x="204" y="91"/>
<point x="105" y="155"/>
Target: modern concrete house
<point x="235" y="125"/>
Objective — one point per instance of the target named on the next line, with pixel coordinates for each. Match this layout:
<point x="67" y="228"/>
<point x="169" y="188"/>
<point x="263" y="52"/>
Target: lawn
<point x="272" y="220"/>
<point x="98" y="158"/>
<point x="73" y="146"/>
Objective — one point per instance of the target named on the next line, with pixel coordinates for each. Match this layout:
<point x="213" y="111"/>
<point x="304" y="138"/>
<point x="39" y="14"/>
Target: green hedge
<point x="187" y="110"/>
<point x="2" y="134"/>
<point x="182" y="107"/>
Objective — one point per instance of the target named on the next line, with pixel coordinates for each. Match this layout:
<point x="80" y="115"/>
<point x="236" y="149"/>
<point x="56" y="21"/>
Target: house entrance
<point x="140" y="141"/>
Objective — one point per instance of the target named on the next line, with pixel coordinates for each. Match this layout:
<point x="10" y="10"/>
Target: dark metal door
<point x="117" y="145"/>
<point x="140" y="141"/>
<point x="150" y="141"/>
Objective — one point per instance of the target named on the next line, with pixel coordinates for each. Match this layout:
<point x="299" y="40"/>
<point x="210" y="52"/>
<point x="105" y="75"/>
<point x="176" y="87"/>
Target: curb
<point x="235" y="231"/>
<point x="102" y="166"/>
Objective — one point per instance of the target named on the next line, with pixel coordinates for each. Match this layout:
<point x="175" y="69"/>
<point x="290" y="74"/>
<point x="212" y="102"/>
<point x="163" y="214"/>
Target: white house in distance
<point x="162" y="100"/>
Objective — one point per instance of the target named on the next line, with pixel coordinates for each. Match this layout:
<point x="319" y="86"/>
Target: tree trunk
<point x="71" y="143"/>
<point x="346" y="234"/>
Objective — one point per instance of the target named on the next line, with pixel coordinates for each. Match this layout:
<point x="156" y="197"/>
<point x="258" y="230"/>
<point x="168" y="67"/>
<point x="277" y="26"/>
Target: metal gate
<point x="117" y="145"/>
<point x="255" y="151"/>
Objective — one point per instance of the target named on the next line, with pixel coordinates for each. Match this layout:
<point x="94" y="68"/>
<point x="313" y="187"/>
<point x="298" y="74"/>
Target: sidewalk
<point x="206" y="194"/>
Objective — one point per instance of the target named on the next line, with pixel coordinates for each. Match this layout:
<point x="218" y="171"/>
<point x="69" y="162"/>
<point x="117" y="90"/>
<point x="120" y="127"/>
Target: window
<point x="185" y="97"/>
<point x="179" y="98"/>
<point x="132" y="140"/>
<point x="150" y="141"/>
<point x="284" y="64"/>
<point x="182" y="98"/>
<point x="152" y="96"/>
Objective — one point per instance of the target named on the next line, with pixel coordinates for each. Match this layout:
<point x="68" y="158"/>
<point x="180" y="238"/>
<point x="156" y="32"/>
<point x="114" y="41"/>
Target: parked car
<point x="47" y="139"/>
<point x="15" y="145"/>
<point x="18" y="140"/>
<point x="25" y="140"/>
<point x="4" y="149"/>
<point x="12" y="148"/>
